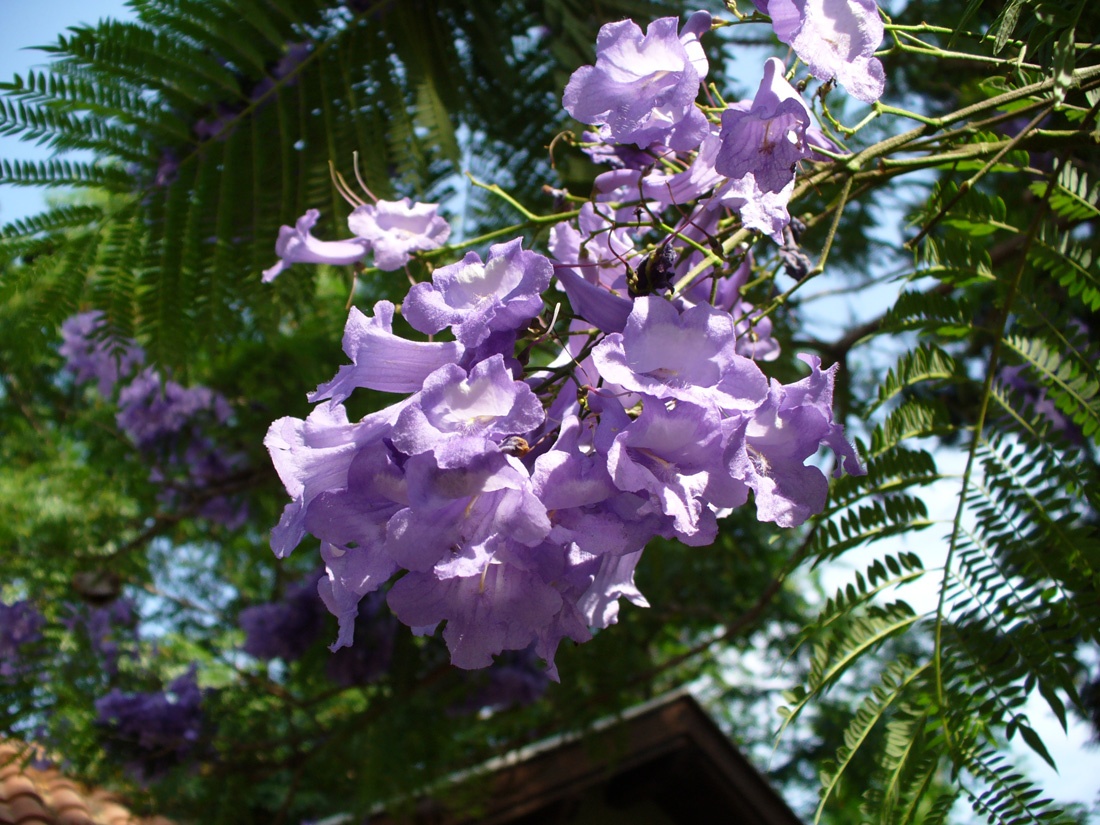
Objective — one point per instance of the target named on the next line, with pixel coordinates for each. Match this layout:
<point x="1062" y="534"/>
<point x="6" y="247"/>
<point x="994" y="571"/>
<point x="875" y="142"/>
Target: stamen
<point x="358" y="177"/>
<point x="342" y="187"/>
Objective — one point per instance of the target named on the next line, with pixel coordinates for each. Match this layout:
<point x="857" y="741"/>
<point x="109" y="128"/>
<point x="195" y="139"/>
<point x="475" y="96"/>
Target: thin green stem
<point x="838" y="211"/>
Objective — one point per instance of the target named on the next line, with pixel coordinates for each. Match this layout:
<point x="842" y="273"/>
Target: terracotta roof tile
<point x="37" y="796"/>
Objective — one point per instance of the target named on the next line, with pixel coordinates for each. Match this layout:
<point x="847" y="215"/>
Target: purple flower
<point x="619" y="156"/>
<point x="384" y="361"/>
<point x="351" y="523"/>
<point x="20" y="626"/>
<point x="314" y="455"/>
<point x="296" y="53"/>
<point x="459" y="518"/>
<point x="611" y="580"/>
<point x="155" y="730"/>
<point x="769" y="450"/>
<point x="153" y="413"/>
<point x="460" y="416"/>
<point x="393" y="229"/>
<point x="284" y="629"/>
<point x="674" y="456"/>
<point x="1041" y="404"/>
<point x="89" y="357"/>
<point x="689" y="356"/>
<point x="500" y="607"/>
<point x="643" y="88"/>
<point x="111" y="630"/>
<point x="169" y="424"/>
<point x="476" y="299"/>
<point x="591" y="267"/>
<point x="768" y="139"/>
<point x="835" y="38"/>
<point x="763" y="211"/>
<point x="296" y="245"/>
<point x="664" y="186"/>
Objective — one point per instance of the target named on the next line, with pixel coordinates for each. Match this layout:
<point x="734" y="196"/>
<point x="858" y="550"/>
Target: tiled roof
<point x="34" y="796"/>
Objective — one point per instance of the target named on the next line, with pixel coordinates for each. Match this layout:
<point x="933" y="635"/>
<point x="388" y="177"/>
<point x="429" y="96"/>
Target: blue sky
<point x="38" y="24"/>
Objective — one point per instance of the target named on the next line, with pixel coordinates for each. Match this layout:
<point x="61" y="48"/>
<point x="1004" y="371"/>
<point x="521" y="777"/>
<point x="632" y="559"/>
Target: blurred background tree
<point x="149" y="634"/>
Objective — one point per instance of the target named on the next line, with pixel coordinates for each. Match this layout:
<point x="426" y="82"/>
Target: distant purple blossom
<point x="643" y="87"/>
<point x="372" y="654"/>
<point x="394" y="229"/>
<point x="153" y="411"/>
<point x="295" y="55"/>
<point x="111" y="630"/>
<point x="169" y="423"/>
<point x="284" y="629"/>
<point x="515" y="679"/>
<point x="89" y="357"/>
<point x="296" y="245"/>
<point x="1041" y="404"/>
<point x="20" y="626"/>
<point x="153" y="731"/>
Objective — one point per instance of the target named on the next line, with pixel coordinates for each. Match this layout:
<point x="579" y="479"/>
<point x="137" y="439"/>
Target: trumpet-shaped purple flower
<point x="643" y="88"/>
<point x="458" y="517"/>
<point x="591" y="267"/>
<point x="835" y="38"/>
<point x="675" y="457"/>
<point x="618" y="155"/>
<point x="296" y="245"/>
<point x="763" y="211"/>
<point x="612" y="579"/>
<point x="476" y="298"/>
<point x="351" y="523"/>
<point x="384" y="361"/>
<point x="690" y="356"/>
<point x="460" y="416"/>
<point x="313" y="456"/>
<point x="769" y="450"/>
<point x="588" y="512"/>
<point x="393" y="229"/>
<point x="767" y="139"/>
<point x="499" y="607"/>
<point x="665" y="187"/>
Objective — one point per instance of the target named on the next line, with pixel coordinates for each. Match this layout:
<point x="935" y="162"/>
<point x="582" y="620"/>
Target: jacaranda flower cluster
<point x="169" y="424"/>
<point x="509" y="498"/>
